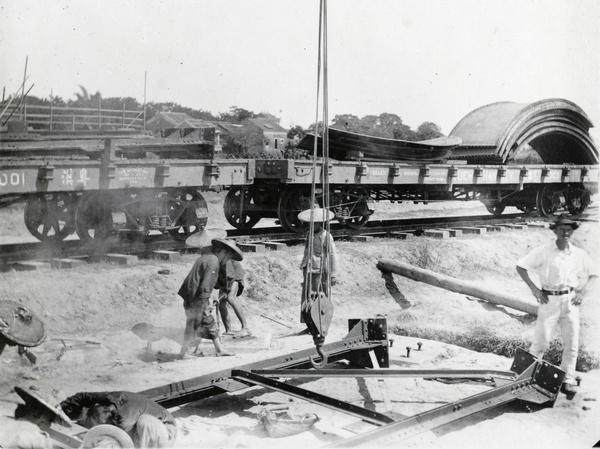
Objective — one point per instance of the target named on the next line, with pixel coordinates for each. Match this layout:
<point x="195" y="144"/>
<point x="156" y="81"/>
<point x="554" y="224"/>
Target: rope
<point x="326" y="260"/>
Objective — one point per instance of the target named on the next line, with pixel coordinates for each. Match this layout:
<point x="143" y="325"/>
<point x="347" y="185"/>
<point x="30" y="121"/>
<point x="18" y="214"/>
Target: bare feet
<point x="243" y="333"/>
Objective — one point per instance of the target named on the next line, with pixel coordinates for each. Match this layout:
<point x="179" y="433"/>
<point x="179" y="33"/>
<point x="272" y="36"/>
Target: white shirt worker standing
<point x="564" y="272"/>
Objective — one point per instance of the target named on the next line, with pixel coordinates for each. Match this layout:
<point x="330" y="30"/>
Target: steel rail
<point x="75" y="248"/>
<point x="533" y="384"/>
<point x="71" y="248"/>
<point x="425" y="373"/>
<point x="335" y="404"/>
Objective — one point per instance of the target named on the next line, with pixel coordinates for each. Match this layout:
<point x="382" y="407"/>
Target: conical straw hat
<point x="34" y="399"/>
<point x="19" y="325"/>
<point x="319" y="215"/>
<point x="204" y="238"/>
<point x="230" y="244"/>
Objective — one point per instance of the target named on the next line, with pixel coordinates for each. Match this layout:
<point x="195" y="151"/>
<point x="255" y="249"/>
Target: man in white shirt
<point x="564" y="272"/>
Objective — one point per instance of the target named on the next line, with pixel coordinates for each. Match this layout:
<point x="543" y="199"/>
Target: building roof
<point x="194" y="123"/>
<point x="226" y="126"/>
<point x="267" y="124"/>
<point x="166" y="120"/>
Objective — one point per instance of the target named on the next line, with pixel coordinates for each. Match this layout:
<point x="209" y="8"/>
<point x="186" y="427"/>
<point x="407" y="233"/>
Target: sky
<point x="424" y="60"/>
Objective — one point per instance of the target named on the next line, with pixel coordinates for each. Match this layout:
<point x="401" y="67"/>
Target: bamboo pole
<point x="23" y="86"/>
<point x="455" y="285"/>
<point x="145" y="82"/>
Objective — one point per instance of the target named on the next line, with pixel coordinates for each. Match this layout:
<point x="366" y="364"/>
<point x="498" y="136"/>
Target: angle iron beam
<point x="353" y="346"/>
<point x="311" y="396"/>
<point x="523" y="387"/>
<point x="426" y="373"/>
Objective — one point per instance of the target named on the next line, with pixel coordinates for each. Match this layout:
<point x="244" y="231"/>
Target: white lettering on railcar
<point x="67" y="177"/>
<point x="83" y="177"/>
<point x="134" y="175"/>
<point x="13" y="179"/>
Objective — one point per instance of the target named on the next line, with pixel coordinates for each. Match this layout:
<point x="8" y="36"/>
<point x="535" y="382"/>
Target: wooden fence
<point x="48" y="117"/>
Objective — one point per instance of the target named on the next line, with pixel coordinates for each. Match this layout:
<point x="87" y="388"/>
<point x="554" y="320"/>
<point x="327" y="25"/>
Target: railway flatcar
<point x="536" y="156"/>
<point x="100" y="187"/>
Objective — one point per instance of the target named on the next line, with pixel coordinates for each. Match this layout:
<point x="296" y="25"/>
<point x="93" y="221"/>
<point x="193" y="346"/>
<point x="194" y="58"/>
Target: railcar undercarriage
<point x="95" y="216"/>
<point x="245" y="206"/>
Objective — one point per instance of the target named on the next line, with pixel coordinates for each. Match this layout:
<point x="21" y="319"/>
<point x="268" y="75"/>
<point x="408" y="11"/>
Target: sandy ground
<point x="93" y="307"/>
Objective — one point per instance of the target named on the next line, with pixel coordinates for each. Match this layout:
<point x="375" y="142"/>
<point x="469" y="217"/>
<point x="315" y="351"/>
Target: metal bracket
<point x="364" y="336"/>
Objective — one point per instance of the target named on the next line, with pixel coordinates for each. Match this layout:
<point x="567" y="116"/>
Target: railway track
<point x="30" y="255"/>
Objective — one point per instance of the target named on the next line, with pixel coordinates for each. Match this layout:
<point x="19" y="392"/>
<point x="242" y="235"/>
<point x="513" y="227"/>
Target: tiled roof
<point x="267" y="124"/>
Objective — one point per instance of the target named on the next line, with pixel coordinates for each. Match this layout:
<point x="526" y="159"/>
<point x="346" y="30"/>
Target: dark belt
<point x="558" y="292"/>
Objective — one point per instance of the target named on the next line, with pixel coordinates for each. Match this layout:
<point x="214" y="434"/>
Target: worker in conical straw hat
<point x="319" y="265"/>
<point x="198" y="286"/>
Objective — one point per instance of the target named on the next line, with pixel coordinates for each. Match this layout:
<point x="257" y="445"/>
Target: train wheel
<point x="51" y="217"/>
<point x="188" y="211"/>
<point x="359" y="212"/>
<point x="495" y="209"/>
<point x="578" y="199"/>
<point x="93" y="218"/>
<point x="293" y="201"/>
<point x="237" y="203"/>
<point x="546" y="202"/>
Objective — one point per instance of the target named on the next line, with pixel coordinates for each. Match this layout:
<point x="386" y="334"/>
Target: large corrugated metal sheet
<point x="556" y="129"/>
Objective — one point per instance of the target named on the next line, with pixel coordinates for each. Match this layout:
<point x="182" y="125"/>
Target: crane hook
<point x="323" y="362"/>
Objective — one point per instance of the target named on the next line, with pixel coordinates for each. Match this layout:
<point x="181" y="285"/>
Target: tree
<point x="296" y="133"/>
<point x="85" y="100"/>
<point x="428" y="130"/>
<point x="386" y="125"/>
<point x="236" y="115"/>
<point x="390" y="124"/>
<point x="315" y="127"/>
<point x="346" y="122"/>
<point x="404" y="132"/>
<point x="244" y="143"/>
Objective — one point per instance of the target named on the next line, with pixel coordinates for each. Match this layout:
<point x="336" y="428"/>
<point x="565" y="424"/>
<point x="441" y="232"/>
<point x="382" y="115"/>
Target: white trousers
<point x="150" y="432"/>
<point x="557" y="310"/>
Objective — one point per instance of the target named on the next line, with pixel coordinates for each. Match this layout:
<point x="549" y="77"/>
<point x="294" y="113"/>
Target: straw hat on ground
<point x="230" y="245"/>
<point x="19" y="325"/>
<point x="203" y="239"/>
<point x="105" y="435"/>
<point x="319" y="215"/>
<point x="35" y="400"/>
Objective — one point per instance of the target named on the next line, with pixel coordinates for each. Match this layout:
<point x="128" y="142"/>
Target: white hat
<point x="230" y="245"/>
<point x="105" y="433"/>
<point x="204" y="238"/>
<point x="319" y="215"/>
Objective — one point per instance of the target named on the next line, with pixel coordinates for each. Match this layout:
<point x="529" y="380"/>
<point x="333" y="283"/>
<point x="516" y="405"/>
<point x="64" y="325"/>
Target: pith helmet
<point x="564" y="219"/>
<point x="231" y="246"/>
<point x="319" y="215"/>
<point x="203" y="238"/>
